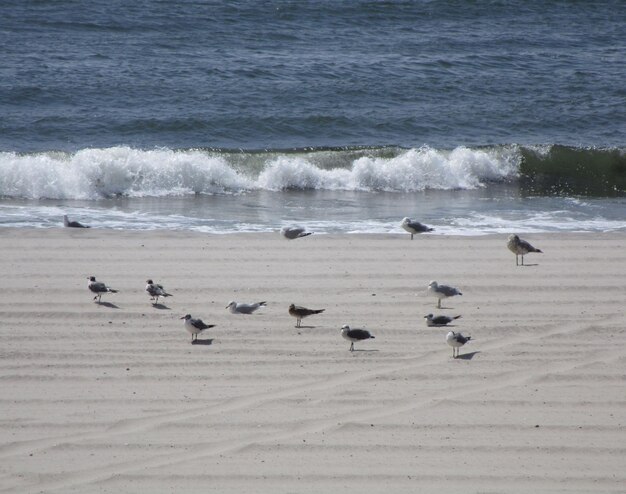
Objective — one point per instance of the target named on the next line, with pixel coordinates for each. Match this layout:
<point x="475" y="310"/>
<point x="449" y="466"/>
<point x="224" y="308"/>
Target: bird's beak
<point x="183" y="317"/>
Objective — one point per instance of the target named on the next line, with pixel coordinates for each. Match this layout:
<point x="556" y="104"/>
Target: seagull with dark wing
<point x="195" y="326"/>
<point x="354" y="335"/>
<point x="438" y="321"/>
<point x="98" y="288"/>
<point x="456" y="341"/>
<point x="301" y="312"/>
<point x="155" y="291"/>
<point x="72" y="224"/>
<point x="414" y="227"/>
<point x="520" y="247"/>
<point x="293" y="232"/>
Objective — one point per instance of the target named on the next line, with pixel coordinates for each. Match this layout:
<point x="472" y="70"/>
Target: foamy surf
<point x="93" y="174"/>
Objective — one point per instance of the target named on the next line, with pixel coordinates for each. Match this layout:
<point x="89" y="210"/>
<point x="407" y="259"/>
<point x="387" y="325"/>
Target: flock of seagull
<point x="195" y="326"/>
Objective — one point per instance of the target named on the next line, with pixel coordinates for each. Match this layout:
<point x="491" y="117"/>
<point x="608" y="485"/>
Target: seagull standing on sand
<point x="414" y="227"/>
<point x="236" y="308"/>
<point x="520" y="247"/>
<point x="442" y="291"/>
<point x="291" y="232"/>
<point x="155" y="291"/>
<point x="72" y="224"/>
<point x="98" y="288"/>
<point x="436" y="321"/>
<point x="300" y="312"/>
<point x="353" y="335"/>
<point x="195" y="326"/>
<point x="456" y="341"/>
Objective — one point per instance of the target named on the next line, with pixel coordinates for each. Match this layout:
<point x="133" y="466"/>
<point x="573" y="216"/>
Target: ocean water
<point x="344" y="116"/>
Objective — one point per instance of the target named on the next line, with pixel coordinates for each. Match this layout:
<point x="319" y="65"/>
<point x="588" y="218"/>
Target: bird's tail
<point x="538" y="250"/>
<point x="263" y="304"/>
<point x="319" y="311"/>
<point x="456" y="317"/>
<point x="112" y="290"/>
<point x="305" y="234"/>
<point x="372" y="336"/>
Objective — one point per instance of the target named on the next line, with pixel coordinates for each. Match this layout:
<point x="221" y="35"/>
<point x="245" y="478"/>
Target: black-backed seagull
<point x="195" y="326"/>
<point x="456" y="341"/>
<point x="434" y="321"/>
<point x="353" y="335"/>
<point x="414" y="227"/>
<point x="98" y="288"/>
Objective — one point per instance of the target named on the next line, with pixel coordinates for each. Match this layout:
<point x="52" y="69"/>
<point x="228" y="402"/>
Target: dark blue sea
<point x="344" y="116"/>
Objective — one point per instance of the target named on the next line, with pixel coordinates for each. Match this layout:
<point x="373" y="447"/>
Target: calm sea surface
<point x="345" y="116"/>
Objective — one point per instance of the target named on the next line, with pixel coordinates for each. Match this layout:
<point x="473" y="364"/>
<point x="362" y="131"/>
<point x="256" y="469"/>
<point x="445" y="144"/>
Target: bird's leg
<point x="352" y="346"/>
<point x="411" y="236"/>
<point x="516" y="260"/>
<point x="522" y="259"/>
<point x="439" y="303"/>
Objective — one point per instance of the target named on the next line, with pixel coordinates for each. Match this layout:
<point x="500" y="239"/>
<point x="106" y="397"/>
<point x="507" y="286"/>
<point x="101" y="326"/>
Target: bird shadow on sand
<point x="161" y="306"/>
<point x="528" y="265"/>
<point x="305" y="327"/>
<point x="364" y="351"/>
<point x="467" y="356"/>
<point x="108" y="304"/>
<point x="206" y="342"/>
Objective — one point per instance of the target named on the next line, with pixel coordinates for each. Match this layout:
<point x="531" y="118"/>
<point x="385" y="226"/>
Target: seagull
<point x="98" y="288"/>
<point x="195" y="326"/>
<point x="520" y="247"/>
<point x="442" y="291"/>
<point x="236" y="308"/>
<point x="456" y="341"/>
<point x="291" y="232"/>
<point x="72" y="224"/>
<point x="155" y="291"/>
<point x="301" y="312"/>
<point x="353" y="335"/>
<point x="439" y="320"/>
<point x="414" y="227"/>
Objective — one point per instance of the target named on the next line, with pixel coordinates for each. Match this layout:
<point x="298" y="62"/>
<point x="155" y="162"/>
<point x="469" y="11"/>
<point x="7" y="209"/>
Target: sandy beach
<point x="113" y="397"/>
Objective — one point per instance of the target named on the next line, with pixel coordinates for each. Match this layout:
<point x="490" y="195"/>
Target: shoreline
<point x="114" y="396"/>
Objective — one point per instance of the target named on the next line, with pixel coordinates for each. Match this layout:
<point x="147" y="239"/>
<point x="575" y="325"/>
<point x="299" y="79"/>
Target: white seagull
<point x="436" y="321"/>
<point x="195" y="326"/>
<point x="236" y="308"/>
<point x="442" y="291"/>
<point x="353" y="335"/>
<point x="72" y="224"/>
<point x="414" y="227"/>
<point x="155" y="291"/>
<point x="98" y="288"/>
<point x="520" y="247"/>
<point x="292" y="232"/>
<point x="300" y="312"/>
<point x="456" y="341"/>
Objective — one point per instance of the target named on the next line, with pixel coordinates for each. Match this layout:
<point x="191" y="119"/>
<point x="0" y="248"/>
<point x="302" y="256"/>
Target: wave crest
<point x="91" y="174"/>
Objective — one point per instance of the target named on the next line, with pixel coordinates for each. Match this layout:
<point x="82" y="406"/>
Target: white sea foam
<point x="92" y="174"/>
